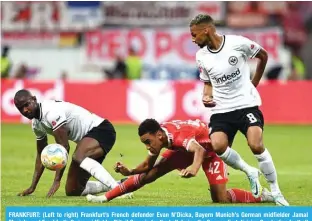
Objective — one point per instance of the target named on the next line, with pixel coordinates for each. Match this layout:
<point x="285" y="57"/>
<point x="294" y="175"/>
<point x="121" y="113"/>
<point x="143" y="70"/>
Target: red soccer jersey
<point x="180" y="133"/>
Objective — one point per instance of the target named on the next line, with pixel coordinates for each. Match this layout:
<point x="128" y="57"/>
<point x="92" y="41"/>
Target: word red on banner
<point x="166" y="46"/>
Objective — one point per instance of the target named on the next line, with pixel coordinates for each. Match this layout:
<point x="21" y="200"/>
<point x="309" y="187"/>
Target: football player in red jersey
<point x="188" y="148"/>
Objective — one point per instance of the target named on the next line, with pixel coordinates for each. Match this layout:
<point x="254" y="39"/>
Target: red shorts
<point x="214" y="168"/>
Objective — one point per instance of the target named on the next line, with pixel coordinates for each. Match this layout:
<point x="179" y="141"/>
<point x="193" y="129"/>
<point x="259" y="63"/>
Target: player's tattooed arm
<point x="263" y="58"/>
<point x="61" y="138"/>
<point x="199" y="153"/>
<point x="39" y="168"/>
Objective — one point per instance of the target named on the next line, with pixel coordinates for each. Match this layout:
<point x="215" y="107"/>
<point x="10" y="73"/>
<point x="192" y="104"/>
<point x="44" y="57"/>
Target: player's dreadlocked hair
<point x="148" y="126"/>
<point x="201" y="18"/>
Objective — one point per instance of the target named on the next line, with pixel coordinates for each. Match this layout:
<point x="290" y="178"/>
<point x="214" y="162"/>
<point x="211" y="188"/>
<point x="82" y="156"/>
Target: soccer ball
<point x="54" y="157"/>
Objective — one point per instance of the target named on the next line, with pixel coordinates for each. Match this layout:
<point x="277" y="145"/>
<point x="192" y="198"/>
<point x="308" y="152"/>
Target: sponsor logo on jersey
<point x="227" y="77"/>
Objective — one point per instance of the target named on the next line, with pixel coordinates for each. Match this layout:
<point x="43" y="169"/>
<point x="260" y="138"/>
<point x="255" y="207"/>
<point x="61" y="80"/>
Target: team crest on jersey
<point x="233" y="60"/>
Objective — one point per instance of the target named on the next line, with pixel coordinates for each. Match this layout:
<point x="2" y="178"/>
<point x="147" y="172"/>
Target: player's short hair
<point x="200" y="19"/>
<point x="21" y="93"/>
<point x="148" y="126"/>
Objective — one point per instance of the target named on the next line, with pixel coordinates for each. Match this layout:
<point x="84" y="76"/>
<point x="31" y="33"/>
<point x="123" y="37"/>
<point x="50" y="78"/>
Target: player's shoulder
<point x="35" y="123"/>
<point x="201" y="53"/>
<point x="234" y="39"/>
<point x="51" y="107"/>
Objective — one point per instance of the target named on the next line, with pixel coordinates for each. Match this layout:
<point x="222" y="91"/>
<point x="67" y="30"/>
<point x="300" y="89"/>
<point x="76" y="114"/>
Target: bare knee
<point x="78" y="157"/>
<point x="254" y="139"/>
<point x="256" y="146"/>
<point x="219" y="142"/>
<point x="219" y="194"/>
<point x="221" y="199"/>
<point x="72" y="191"/>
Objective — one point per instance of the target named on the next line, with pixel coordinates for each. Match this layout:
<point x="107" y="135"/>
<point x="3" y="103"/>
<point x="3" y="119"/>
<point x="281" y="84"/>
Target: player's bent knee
<point x="78" y="157"/>
<point x="221" y="199"/>
<point x="219" y="145"/>
<point x="72" y="192"/>
<point x="256" y="147"/>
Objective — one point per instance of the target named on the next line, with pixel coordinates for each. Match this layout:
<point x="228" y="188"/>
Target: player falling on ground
<point x="189" y="149"/>
<point x="234" y="99"/>
<point x="94" y="136"/>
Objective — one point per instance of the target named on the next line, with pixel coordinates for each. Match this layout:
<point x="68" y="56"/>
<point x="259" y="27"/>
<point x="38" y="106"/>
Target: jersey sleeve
<point x="249" y="48"/>
<point x="56" y="119"/>
<point x="203" y="74"/>
<point x="39" y="131"/>
<point x="183" y="139"/>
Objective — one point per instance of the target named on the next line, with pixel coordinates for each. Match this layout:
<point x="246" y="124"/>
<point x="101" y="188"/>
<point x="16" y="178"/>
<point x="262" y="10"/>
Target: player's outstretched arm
<point x="144" y="167"/>
<point x="263" y="58"/>
<point x="61" y="138"/>
<point x="39" y="168"/>
<point x="207" y="95"/>
<point x="199" y="153"/>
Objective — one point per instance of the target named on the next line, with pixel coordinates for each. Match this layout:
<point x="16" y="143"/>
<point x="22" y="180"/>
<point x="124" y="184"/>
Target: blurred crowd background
<point x="94" y="40"/>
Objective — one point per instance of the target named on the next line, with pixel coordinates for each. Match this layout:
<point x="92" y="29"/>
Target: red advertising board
<point x="132" y="102"/>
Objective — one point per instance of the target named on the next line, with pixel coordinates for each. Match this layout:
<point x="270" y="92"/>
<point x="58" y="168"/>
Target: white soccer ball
<point x="54" y="157"/>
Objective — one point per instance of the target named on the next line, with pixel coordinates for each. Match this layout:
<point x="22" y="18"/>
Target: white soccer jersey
<point x="53" y="114"/>
<point x="229" y="73"/>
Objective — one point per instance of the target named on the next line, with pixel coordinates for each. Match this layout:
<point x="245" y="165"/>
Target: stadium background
<point x="127" y="61"/>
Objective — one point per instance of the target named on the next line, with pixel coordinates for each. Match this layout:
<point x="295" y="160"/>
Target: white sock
<point x="234" y="160"/>
<point x="94" y="187"/>
<point x="267" y="167"/>
<point x="98" y="172"/>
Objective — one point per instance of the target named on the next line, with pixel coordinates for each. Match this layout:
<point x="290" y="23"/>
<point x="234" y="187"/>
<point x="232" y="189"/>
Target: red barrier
<point x="123" y="101"/>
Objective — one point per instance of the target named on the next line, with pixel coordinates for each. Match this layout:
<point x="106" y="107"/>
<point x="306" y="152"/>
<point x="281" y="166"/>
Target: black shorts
<point x="231" y="122"/>
<point x="105" y="134"/>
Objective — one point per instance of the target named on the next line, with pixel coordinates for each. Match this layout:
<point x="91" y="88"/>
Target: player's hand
<point x="208" y="101"/>
<point x="26" y="192"/>
<point x="187" y="173"/>
<point x="55" y="186"/>
<point x="122" y="169"/>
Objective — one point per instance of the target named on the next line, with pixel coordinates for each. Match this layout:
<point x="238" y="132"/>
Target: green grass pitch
<point x="290" y="146"/>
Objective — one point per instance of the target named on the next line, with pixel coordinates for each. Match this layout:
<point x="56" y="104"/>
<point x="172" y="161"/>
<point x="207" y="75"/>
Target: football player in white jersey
<point x="94" y="136"/>
<point x="234" y="99"/>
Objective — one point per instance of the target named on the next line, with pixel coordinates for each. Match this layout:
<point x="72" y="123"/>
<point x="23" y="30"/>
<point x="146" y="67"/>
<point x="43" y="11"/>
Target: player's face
<point x="153" y="142"/>
<point x="27" y="106"/>
<point x="199" y="35"/>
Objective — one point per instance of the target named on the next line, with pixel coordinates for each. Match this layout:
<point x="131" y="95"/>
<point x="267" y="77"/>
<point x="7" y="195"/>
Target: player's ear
<point x="159" y="134"/>
<point x="34" y="98"/>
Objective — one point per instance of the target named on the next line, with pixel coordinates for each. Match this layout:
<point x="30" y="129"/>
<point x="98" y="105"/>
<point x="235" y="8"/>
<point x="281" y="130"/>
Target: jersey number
<point x="252" y="118"/>
<point x="214" y="167"/>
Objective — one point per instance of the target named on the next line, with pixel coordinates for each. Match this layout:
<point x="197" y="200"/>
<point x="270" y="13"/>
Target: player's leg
<point x="253" y="130"/>
<point x="169" y="161"/>
<point x="96" y="144"/>
<point x="77" y="183"/>
<point x="223" y="128"/>
<point x="216" y="173"/>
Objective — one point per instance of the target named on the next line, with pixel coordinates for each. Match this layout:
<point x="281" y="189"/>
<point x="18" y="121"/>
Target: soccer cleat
<point x="266" y="196"/>
<point x="280" y="200"/>
<point x="96" y="199"/>
<point x="256" y="188"/>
